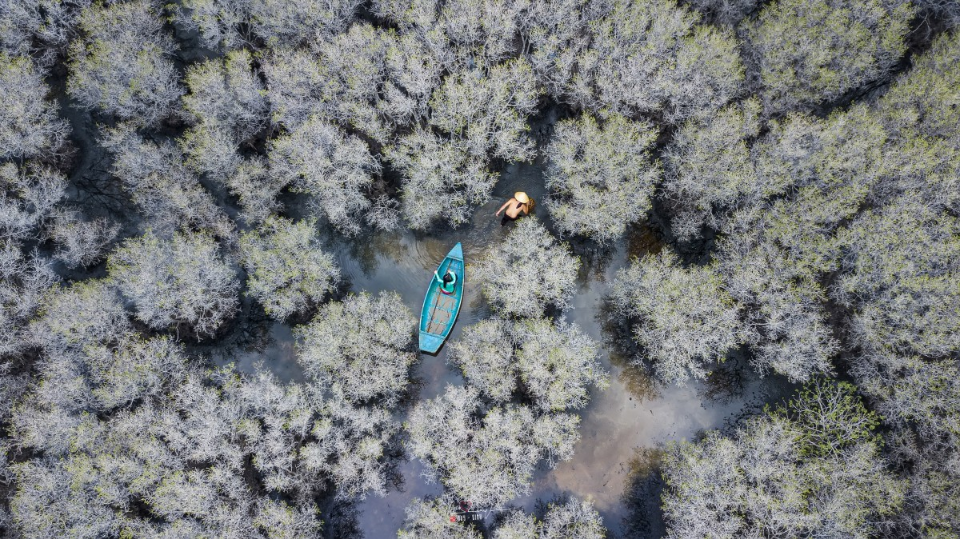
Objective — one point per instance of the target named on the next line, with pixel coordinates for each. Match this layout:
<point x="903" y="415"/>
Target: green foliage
<point x="554" y="364"/>
<point x="332" y="167"/>
<point x="709" y="168"/>
<point x="684" y="318"/>
<point x="460" y="441"/>
<point x="29" y="126"/>
<point x="183" y="280"/>
<point x="813" y="468"/>
<point x="829" y="417"/>
<point x="529" y="272"/>
<point x="121" y="63"/>
<point x="814" y="51"/>
<point x="287" y="270"/>
<point x="600" y="177"/>
<point x="362" y="347"/>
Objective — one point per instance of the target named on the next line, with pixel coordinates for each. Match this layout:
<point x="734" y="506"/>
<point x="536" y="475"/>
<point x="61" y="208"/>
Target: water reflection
<point x="641" y="495"/>
<point x="259" y="341"/>
<point x="639" y="383"/>
<point x="621" y="428"/>
<point x="643" y="239"/>
<point x="594" y="261"/>
<point x="728" y="380"/>
<point x="341" y="520"/>
<point x="382" y="517"/>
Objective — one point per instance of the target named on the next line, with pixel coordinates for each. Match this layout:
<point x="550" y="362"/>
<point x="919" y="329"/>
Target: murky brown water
<point x="632" y="415"/>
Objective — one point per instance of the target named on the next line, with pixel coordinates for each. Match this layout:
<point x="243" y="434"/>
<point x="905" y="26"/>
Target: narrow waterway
<point x="619" y="424"/>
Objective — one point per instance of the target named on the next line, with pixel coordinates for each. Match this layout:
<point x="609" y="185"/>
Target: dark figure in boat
<point x="448" y="283"/>
<point x="519" y="204"/>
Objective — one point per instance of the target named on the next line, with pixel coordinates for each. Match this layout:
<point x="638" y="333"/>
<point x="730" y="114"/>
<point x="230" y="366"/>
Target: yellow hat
<point x="521" y="197"/>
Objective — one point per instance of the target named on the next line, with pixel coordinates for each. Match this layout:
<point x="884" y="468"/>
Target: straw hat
<point x="521" y="197"/>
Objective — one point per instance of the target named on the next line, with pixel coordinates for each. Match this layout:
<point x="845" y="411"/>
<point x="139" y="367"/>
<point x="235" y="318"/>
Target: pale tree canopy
<point x="529" y="272"/>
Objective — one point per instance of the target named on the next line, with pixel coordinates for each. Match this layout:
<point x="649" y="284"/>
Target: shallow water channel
<point x="618" y="424"/>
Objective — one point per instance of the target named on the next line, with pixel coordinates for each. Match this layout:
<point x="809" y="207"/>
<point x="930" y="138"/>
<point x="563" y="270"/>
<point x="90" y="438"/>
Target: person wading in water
<point x="519" y="203"/>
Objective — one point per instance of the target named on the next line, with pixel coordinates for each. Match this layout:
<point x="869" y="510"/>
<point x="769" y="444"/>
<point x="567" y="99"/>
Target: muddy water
<point x="632" y="414"/>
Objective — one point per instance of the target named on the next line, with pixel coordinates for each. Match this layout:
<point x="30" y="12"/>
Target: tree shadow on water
<point x="643" y="239"/>
<point x="636" y="374"/>
<point x="594" y="260"/>
<point x="341" y="517"/>
<point x="341" y="520"/>
<point x="366" y="247"/>
<point x="639" y="382"/>
<point x="727" y="381"/>
<point x="641" y="496"/>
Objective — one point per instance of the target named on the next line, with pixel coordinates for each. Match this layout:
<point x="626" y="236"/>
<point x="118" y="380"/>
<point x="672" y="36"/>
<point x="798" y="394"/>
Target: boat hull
<point x="440" y="310"/>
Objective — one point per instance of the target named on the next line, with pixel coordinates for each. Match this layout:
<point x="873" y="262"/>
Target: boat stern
<point x="429" y="342"/>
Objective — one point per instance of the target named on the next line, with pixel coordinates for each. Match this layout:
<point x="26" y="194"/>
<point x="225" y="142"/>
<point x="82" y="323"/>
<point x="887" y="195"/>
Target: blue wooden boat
<point x="439" y="309"/>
